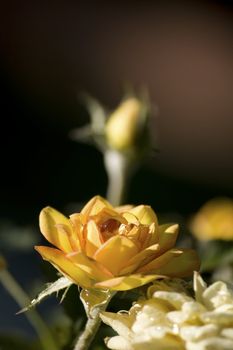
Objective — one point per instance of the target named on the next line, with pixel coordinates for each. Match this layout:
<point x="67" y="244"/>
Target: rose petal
<point x="78" y="221"/>
<point x="199" y="287"/>
<point x="109" y="213"/>
<point x="220" y="318"/>
<point x="64" y="265"/>
<point x="145" y="214"/>
<point x="93" y="238"/>
<point x="127" y="282"/>
<point x="140" y="259"/>
<point x="50" y="219"/>
<point x="174" y="263"/>
<point x="142" y="234"/>
<point x="160" y="261"/>
<point x="94" y="206"/>
<point x="182" y="265"/>
<point x="73" y="240"/>
<point x="121" y="323"/>
<point x="167" y="236"/>
<point x="196" y="333"/>
<point x="115" y="253"/>
<point x="213" y="343"/>
<point x="152" y="236"/>
<point x="119" y="343"/>
<point x="130" y="218"/>
<point x="175" y="299"/>
<point x="94" y="269"/>
<point x="216" y="295"/>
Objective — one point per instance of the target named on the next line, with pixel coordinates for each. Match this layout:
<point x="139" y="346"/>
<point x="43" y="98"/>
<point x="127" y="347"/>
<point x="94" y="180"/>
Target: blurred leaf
<point x="10" y="233"/>
<point x="15" y="342"/>
<point x="97" y="113"/>
<point x="214" y="254"/>
<point x="225" y="274"/>
<point x="95" y="129"/>
<point x="61" y="328"/>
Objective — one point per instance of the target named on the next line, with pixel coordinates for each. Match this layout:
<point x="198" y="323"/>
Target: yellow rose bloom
<point x="113" y="248"/>
<point x="214" y="220"/>
<point x="173" y="320"/>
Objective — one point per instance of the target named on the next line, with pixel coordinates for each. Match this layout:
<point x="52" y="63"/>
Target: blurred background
<point x="51" y="52"/>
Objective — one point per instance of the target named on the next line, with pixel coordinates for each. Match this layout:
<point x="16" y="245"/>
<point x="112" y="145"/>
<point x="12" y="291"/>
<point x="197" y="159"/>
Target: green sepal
<point x="94" y="300"/>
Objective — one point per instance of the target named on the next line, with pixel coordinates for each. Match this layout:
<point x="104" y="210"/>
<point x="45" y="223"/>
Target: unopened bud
<point x="124" y="125"/>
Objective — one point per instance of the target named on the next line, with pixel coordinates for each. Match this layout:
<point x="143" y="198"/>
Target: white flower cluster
<point x="172" y="320"/>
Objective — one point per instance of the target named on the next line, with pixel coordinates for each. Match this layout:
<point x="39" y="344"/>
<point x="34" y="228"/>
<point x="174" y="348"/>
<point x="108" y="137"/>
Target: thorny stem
<point x="91" y="328"/>
<point x="117" y="167"/>
<point x="88" y="334"/>
<point x="18" y="294"/>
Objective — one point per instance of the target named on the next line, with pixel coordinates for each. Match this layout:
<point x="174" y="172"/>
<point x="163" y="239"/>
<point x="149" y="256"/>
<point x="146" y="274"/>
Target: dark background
<point x="51" y="52"/>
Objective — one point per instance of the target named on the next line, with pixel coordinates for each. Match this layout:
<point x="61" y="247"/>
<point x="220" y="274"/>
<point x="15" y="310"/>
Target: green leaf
<point x="97" y="114"/>
<point x="51" y="288"/>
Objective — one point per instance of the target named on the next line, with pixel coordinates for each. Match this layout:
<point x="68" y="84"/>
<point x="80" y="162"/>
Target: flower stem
<point x="118" y="171"/>
<point x="89" y="333"/>
<point x="92" y="325"/>
<point x="18" y="294"/>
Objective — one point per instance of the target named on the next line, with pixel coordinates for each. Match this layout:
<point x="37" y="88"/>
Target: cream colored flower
<point x="214" y="220"/>
<point x="171" y="319"/>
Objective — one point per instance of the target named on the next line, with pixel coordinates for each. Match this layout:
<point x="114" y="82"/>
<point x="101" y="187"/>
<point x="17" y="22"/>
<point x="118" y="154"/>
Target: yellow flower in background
<point x="124" y="124"/>
<point x="214" y="220"/>
<point x="173" y="320"/>
<point x="113" y="248"/>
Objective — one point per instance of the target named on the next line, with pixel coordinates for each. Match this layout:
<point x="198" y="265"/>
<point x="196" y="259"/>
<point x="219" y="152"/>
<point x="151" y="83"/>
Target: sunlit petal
<point x="49" y="219"/>
<point x="167" y="236"/>
<point x="160" y="261"/>
<point x="65" y="265"/>
<point x="118" y="343"/>
<point x="145" y="214"/>
<point x="107" y="213"/>
<point x="115" y="253"/>
<point x="131" y="218"/>
<point x="127" y="282"/>
<point x="94" y="269"/>
<point x="73" y="238"/>
<point x="77" y="222"/>
<point x="140" y="259"/>
<point x="95" y="205"/>
<point x="174" y="263"/>
<point x="182" y="265"/>
<point x="93" y="238"/>
<point x="121" y="323"/>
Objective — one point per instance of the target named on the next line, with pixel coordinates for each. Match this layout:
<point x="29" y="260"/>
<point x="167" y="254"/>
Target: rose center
<point x="109" y="225"/>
